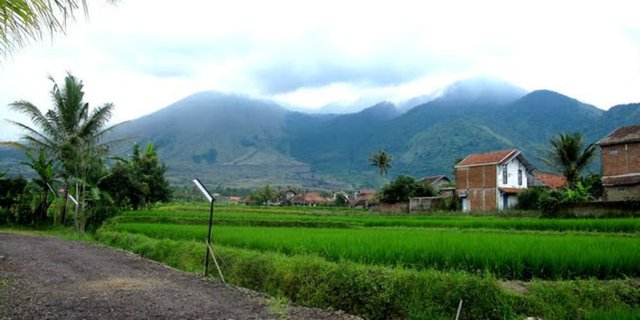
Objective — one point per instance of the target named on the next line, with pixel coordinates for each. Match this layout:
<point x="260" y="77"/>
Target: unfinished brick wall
<point x="480" y="184"/>
<point x="621" y="159"/>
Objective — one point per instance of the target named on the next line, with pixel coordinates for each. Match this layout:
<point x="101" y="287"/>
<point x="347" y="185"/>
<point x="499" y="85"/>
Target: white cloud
<point x="143" y="55"/>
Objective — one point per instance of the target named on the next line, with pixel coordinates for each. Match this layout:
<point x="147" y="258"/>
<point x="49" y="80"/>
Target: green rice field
<point x="483" y="250"/>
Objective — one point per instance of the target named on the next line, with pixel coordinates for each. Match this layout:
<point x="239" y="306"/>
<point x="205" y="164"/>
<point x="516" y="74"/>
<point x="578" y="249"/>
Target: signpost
<point x="211" y="200"/>
<point x="75" y="216"/>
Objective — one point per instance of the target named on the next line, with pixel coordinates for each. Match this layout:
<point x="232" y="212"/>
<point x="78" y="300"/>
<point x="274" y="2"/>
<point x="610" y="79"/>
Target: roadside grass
<point x="67" y="233"/>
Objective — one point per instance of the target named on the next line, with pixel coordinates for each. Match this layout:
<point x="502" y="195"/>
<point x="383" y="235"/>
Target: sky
<point x="143" y="55"/>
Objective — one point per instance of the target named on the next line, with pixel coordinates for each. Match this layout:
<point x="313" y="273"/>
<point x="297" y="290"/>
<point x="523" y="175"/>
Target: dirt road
<point x="49" y="278"/>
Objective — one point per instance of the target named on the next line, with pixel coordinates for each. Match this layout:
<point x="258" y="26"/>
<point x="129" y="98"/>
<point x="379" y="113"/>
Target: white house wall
<point x="512" y="174"/>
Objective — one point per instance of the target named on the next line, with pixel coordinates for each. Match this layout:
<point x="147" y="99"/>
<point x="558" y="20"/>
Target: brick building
<point x="621" y="164"/>
<point x="491" y="181"/>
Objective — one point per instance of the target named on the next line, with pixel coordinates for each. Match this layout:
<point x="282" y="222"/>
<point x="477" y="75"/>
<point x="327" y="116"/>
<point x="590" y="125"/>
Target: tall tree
<point x="382" y="160"/>
<point x="568" y="155"/>
<point x="70" y="132"/>
<point x="136" y="183"/>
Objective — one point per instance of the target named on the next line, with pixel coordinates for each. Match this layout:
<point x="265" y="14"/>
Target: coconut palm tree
<point x="568" y="156"/>
<point x="382" y="160"/>
<point x="70" y="132"/>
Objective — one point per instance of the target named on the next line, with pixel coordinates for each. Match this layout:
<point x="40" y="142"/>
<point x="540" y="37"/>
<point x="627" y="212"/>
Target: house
<point x="491" y="181"/>
<point x="234" y="199"/>
<point x="621" y="164"/>
<point x="285" y="196"/>
<point x="547" y="180"/>
<point x="308" y="199"/>
<point x="363" y="198"/>
<point x="437" y="181"/>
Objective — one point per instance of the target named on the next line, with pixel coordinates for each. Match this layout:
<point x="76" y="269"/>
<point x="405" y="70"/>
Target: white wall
<point x="512" y="175"/>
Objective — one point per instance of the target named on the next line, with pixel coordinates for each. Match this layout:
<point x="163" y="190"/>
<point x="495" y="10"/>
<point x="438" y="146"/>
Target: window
<point x="519" y="177"/>
<point x="613" y="151"/>
<point x="504" y="175"/>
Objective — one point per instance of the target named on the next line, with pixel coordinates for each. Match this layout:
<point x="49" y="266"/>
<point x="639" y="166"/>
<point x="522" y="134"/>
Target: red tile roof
<point x="488" y="158"/>
<point x="620" y="135"/>
<point x="553" y="181"/>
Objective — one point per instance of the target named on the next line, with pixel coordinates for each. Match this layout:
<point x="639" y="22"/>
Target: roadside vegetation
<point x="74" y="179"/>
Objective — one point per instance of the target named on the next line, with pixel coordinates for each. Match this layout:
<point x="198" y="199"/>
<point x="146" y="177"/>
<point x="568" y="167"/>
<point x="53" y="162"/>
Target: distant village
<point x="492" y="181"/>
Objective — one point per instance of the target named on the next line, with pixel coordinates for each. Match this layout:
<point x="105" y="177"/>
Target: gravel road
<point x="49" y="278"/>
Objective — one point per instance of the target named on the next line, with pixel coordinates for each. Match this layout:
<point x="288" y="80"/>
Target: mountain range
<point x="237" y="141"/>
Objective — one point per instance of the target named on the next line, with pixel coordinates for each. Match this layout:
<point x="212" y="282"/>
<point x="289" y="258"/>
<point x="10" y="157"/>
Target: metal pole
<point x="459" y="309"/>
<point x="206" y="263"/>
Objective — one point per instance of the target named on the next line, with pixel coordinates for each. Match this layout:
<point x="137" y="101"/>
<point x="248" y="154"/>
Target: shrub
<point x="530" y="199"/>
<point x="405" y="187"/>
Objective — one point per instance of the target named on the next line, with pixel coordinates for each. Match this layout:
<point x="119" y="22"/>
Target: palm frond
<point x="30" y="110"/>
<point x="40" y="137"/>
<point x="22" y="21"/>
<point x="97" y="120"/>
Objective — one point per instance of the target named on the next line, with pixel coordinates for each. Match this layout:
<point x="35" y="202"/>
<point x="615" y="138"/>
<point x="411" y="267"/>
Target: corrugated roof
<point x="309" y="197"/>
<point x="488" y="158"/>
<point x="434" y="179"/>
<point x="623" y="180"/>
<point x="554" y="181"/>
<point x="621" y="135"/>
<point x="511" y="190"/>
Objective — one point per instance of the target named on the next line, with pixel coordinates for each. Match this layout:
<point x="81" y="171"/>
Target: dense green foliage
<point x="547" y="200"/>
<point x="405" y="187"/>
<point x="139" y="182"/>
<point x="14" y="201"/>
<point x="42" y="183"/>
<point x="264" y="195"/>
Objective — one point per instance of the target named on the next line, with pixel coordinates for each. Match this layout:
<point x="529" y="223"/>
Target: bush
<point x="529" y="199"/>
<point x="405" y="187"/>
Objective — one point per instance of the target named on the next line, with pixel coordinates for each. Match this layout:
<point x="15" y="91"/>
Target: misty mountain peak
<point x="384" y="110"/>
<point x="483" y="90"/>
<point x="219" y="100"/>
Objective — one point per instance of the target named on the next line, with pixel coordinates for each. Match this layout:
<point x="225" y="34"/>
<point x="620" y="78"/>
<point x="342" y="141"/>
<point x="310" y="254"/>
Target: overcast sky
<point x="143" y="55"/>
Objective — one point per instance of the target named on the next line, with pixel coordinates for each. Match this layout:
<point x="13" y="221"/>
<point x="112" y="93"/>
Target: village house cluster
<point x="491" y="181"/>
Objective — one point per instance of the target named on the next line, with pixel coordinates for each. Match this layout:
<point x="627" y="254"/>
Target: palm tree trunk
<point x="44" y="206"/>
